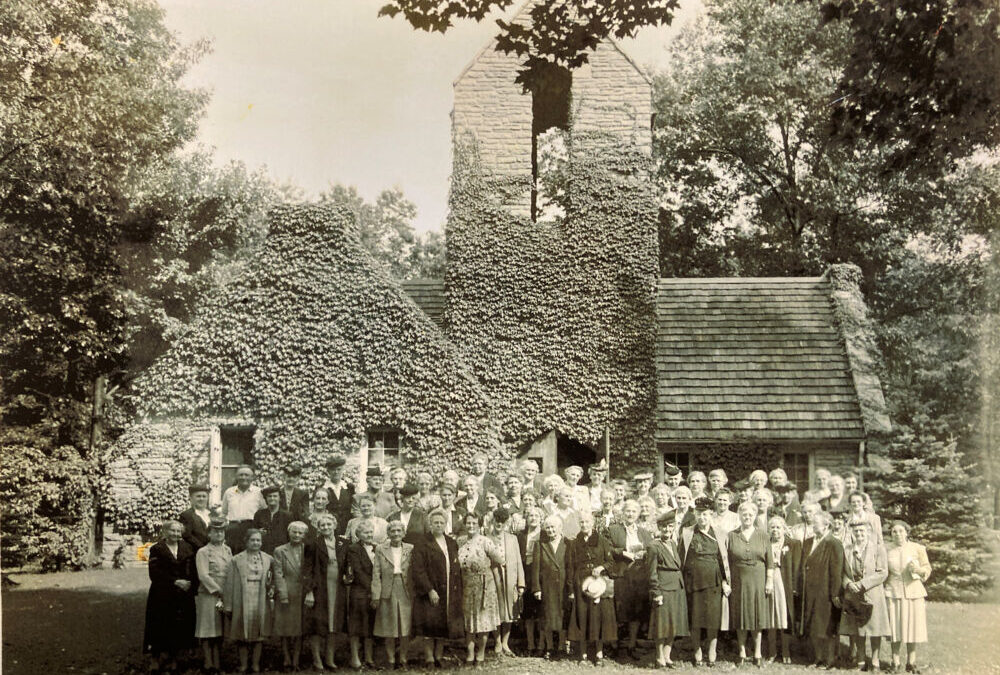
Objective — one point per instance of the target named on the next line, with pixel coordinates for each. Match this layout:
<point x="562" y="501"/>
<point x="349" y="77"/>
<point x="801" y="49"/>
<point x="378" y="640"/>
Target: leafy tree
<point x="922" y="75"/>
<point x="90" y="93"/>
<point x="557" y="31"/>
<point x="386" y="231"/>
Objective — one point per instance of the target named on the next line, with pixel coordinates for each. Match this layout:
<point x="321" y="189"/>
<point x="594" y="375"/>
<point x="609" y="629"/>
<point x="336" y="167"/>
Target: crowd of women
<point x="576" y="567"/>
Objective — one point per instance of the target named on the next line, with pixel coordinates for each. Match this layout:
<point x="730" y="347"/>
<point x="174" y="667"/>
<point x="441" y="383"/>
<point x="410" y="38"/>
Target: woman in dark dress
<point x="752" y="565"/>
<point x="437" y="589"/>
<point x="550" y="582"/>
<point x="527" y="542"/>
<point x="706" y="579"/>
<point x="358" y="579"/>
<point x="668" y="618"/>
<point x="325" y="597"/>
<point x="170" y="614"/>
<point x="591" y="619"/>
<point x="629" y="543"/>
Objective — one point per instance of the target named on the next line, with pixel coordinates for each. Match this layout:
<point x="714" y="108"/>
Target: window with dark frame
<point x="383" y="447"/>
<point x="682" y="460"/>
<point x="550" y="107"/>
<point x="796" y="466"/>
<point x="237" y="449"/>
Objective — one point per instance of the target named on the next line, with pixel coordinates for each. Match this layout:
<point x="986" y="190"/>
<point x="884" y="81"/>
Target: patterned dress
<point x="479" y="600"/>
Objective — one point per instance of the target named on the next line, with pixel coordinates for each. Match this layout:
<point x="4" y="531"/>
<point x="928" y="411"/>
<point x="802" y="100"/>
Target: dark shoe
<point x="698" y="663"/>
<point x="633" y="653"/>
<point x="912" y="668"/>
<point x="710" y="664"/>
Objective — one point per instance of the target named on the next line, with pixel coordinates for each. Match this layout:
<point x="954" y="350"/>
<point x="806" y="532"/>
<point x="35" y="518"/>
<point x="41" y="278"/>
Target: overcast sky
<point x="325" y="91"/>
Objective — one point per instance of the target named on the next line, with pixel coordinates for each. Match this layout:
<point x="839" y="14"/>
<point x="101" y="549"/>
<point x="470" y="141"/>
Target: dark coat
<point x="791" y="514"/>
<point x="791" y="578"/>
<point x="617" y="538"/>
<point x="275" y="527"/>
<point x="360" y="615"/>
<point x="341" y="508"/>
<point x="430" y="571"/>
<point x="416" y="528"/>
<point x="589" y="621"/>
<point x="550" y="576"/>
<point x="170" y="611"/>
<point x="299" y="508"/>
<point x="822" y="580"/>
<point x="195" y="530"/>
<point x="315" y="563"/>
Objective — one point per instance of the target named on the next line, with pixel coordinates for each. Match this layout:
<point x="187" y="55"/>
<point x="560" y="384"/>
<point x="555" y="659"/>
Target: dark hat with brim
<point x="742" y="484"/>
<point x="408" y="490"/>
<point x="293" y="470"/>
<point x="670" y="469"/>
<point x="217" y="523"/>
<point x="668" y="518"/>
<point x="270" y="490"/>
<point x="194" y="489"/>
<point x="374" y="470"/>
<point x="335" y="461"/>
<point x="703" y="504"/>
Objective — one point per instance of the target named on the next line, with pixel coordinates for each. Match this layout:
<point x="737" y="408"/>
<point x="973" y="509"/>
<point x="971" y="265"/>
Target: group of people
<point x="570" y="563"/>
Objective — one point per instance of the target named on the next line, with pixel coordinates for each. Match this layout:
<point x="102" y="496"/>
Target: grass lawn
<point x="91" y="622"/>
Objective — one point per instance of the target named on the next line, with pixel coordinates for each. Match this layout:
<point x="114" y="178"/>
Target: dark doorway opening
<point x="570" y="451"/>
<point x="550" y="107"/>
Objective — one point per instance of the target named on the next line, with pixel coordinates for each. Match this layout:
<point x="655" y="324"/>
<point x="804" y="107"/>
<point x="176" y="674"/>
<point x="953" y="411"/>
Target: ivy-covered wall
<point x="313" y="344"/>
<point x="557" y="319"/>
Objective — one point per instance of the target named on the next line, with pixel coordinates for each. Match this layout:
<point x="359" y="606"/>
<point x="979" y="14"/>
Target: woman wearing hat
<point x="629" y="544"/>
<point x="170" y="610"/>
<point x="904" y="588"/>
<point x="211" y="561"/>
<point x="392" y="595"/>
<point x="592" y="617"/>
<point x="706" y="579"/>
<point x="288" y="564"/>
<point x="197" y="518"/>
<point x="476" y="557"/>
<point x="751" y="563"/>
<point x="247" y="597"/>
<point x="669" y="616"/>
<point x="598" y="474"/>
<point x="325" y="598"/>
<point x="508" y="577"/>
<point x="865" y="570"/>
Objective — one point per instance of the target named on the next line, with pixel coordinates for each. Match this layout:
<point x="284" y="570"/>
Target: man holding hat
<point x="413" y="519"/>
<point x="272" y="521"/>
<point x="294" y="499"/>
<point x="341" y="495"/>
<point x="385" y="502"/>
<point x="197" y="518"/>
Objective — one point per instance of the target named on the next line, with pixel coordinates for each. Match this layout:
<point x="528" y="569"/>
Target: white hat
<point x="594" y="587"/>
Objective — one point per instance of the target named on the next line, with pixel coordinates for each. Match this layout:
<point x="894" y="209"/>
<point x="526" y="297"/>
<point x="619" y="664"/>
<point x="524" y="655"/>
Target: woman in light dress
<point x="248" y="597"/>
<point x="211" y="561"/>
<point x="392" y="596"/>
<point x="904" y="589"/>
<point x="479" y="592"/>
<point x="865" y="570"/>
<point x="509" y="579"/>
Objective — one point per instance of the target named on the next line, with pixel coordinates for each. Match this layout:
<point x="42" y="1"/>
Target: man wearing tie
<point x="340" y="493"/>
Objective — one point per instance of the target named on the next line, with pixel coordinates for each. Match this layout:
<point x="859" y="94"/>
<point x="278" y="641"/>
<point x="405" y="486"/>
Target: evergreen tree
<point x="922" y="481"/>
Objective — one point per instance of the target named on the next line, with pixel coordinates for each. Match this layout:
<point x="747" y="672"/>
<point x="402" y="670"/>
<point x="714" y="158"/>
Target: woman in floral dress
<point x="479" y="592"/>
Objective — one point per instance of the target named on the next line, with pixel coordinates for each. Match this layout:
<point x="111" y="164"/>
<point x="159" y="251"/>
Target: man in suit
<point x="473" y="501"/>
<point x="385" y="502"/>
<point x="196" y="519"/>
<point x="272" y="520"/>
<point x="487" y="482"/>
<point x="822" y="580"/>
<point x="410" y="515"/>
<point x="294" y="499"/>
<point x="340" y="493"/>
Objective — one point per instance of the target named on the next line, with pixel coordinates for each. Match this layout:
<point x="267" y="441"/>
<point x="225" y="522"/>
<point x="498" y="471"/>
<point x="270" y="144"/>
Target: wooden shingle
<point x="429" y="296"/>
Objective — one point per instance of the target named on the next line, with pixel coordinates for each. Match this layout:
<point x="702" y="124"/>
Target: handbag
<point x="858" y="608"/>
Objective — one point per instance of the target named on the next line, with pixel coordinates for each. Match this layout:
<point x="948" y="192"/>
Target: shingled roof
<point x="754" y="359"/>
<point x="429" y="296"/>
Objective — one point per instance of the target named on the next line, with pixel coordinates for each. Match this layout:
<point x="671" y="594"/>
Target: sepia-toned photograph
<point x="523" y="336"/>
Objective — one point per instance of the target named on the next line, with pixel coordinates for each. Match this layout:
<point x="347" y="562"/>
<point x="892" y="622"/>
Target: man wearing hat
<point x="197" y="518"/>
<point x="341" y="494"/>
<point x="272" y="521"/>
<point x="410" y="515"/>
<point x="294" y="499"/>
<point x="239" y="504"/>
<point x="385" y="502"/>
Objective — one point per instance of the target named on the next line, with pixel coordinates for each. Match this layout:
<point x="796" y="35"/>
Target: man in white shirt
<point x="239" y="504"/>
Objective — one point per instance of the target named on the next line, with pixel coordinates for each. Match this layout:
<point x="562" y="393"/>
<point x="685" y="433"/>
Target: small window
<point x="550" y="108"/>
<point x="796" y="466"/>
<point x="383" y="447"/>
<point x="237" y="449"/>
<point x="682" y="460"/>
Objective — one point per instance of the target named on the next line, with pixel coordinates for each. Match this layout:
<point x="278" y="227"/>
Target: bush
<point x="922" y="481"/>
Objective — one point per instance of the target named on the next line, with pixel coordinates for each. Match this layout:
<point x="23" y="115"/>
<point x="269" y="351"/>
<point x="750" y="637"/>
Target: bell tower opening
<point x="550" y="108"/>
